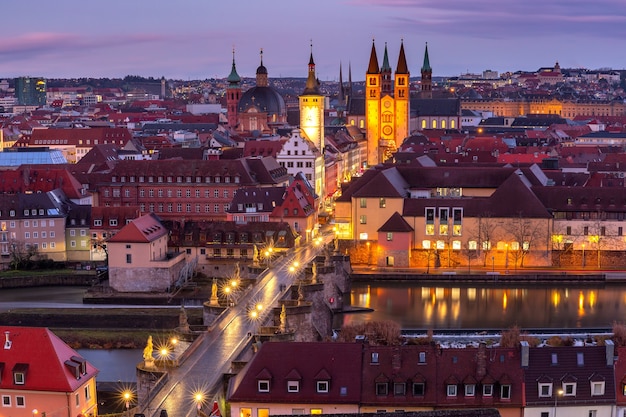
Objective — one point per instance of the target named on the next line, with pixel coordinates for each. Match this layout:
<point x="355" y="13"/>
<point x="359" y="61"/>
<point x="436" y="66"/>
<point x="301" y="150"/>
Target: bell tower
<point x="311" y="103"/>
<point x="373" y="80"/>
<point x="233" y="94"/>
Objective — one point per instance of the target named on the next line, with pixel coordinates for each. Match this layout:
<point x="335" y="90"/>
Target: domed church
<point x="261" y="109"/>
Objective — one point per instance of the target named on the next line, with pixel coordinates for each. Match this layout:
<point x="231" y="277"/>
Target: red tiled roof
<point x="44" y="355"/>
<point x="144" y="229"/>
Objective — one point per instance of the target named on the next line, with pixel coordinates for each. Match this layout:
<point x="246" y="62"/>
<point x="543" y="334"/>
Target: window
<point x="569" y="388"/>
<point x="487" y="390"/>
<point x="422" y="357"/>
<point x="399" y="388"/>
<point x="87" y="393"/>
<point x="129" y="258"/>
<point x="293" y="386"/>
<point x="451" y="390"/>
<point x="597" y="388"/>
<point x="363" y="219"/>
<point x="470" y="390"/>
<point x="245" y="412"/>
<point x="545" y="390"/>
<point x="20" y="401"/>
<point x="505" y="392"/>
<point x="382" y="203"/>
<point x="264" y="385"/>
<point x="263" y="412"/>
<point x="297" y="411"/>
<point x="593" y="413"/>
<point x="363" y="203"/>
<point x="374" y="357"/>
<point x="389" y="236"/>
<point x="6" y="401"/>
<point x="113" y="222"/>
<point x="545" y="414"/>
<point x="381" y="388"/>
<point x="322" y="386"/>
<point x="316" y="411"/>
<point x="418" y="389"/>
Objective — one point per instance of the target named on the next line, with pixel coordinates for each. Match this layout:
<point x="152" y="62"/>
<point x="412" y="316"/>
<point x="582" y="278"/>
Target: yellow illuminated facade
<point x="386" y="107"/>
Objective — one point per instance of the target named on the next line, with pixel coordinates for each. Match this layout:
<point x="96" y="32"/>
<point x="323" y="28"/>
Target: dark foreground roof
<point x="483" y="412"/>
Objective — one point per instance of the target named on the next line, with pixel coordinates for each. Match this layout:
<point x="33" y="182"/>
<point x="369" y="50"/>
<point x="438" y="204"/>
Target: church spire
<point x="342" y="91"/>
<point x="386" y="66"/>
<point x="426" y="65"/>
<point x="402" y="67"/>
<point x="385" y="72"/>
<point x="233" y="77"/>
<point x="261" y="74"/>
<point x="312" y="86"/>
<point x="373" y="66"/>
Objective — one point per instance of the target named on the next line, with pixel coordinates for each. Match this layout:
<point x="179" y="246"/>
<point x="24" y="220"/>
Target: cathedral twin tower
<point x="388" y="103"/>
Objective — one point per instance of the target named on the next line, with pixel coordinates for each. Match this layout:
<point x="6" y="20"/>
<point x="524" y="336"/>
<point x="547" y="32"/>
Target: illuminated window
<point x="486" y="245"/>
<point x="423" y="124"/>
<point x="382" y="203"/>
<point x="441" y="244"/>
<point x="263" y="412"/>
<point x="434" y="124"/>
<point x="363" y="236"/>
<point x="363" y="219"/>
<point x="316" y="411"/>
<point x="456" y="244"/>
<point x="514" y="245"/>
<point x="443" y="126"/>
<point x="452" y="124"/>
<point x="245" y="412"/>
<point x="456" y="230"/>
<point x="426" y="244"/>
<point x="443" y="229"/>
<point x="430" y="229"/>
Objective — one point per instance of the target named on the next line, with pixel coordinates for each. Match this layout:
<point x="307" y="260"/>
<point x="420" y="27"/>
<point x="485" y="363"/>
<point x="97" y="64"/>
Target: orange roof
<point x="144" y="229"/>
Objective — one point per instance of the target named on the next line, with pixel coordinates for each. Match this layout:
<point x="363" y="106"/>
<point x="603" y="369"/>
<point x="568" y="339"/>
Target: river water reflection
<point x="476" y="307"/>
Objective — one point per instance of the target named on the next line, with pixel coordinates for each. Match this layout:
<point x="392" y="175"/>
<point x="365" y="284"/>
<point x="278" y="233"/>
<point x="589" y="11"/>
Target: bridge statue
<point x="148" y="359"/>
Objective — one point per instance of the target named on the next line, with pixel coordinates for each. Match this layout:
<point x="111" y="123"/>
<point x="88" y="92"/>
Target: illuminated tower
<point x="401" y="98"/>
<point x="372" y="107"/>
<point x="387" y="105"/>
<point x="312" y="108"/>
<point x="427" y="77"/>
<point x="233" y="94"/>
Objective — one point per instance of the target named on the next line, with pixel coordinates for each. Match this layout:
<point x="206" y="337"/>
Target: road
<point x="203" y="370"/>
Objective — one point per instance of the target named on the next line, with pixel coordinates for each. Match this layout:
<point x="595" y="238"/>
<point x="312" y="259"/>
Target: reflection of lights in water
<point x="442" y="311"/>
<point x="504" y="300"/>
<point x="592" y="299"/>
<point x="581" y="304"/>
<point x="428" y="312"/>
<point x="556" y="298"/>
<point x="439" y="293"/>
<point x="425" y="293"/>
<point x="471" y="294"/>
<point x="455" y="293"/>
<point x="456" y="311"/>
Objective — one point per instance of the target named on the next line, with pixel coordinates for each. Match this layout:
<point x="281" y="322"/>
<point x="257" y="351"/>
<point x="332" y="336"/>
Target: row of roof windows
<point x="35" y="212"/>
<point x="80" y="142"/>
<point x="188" y="179"/>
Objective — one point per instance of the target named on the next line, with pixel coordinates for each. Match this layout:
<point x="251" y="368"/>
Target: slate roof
<point x="563" y="364"/>
<point x="435" y="107"/>
<point x="575" y="199"/>
<point x="42" y="355"/>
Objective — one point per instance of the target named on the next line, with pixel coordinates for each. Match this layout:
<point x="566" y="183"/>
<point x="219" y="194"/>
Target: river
<point x="488" y="307"/>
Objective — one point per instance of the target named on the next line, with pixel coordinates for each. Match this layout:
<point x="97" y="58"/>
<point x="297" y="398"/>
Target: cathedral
<point x="388" y="113"/>
<point x="260" y="110"/>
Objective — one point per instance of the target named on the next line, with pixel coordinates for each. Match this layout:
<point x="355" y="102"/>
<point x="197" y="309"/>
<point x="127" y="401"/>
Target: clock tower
<point x="312" y="108"/>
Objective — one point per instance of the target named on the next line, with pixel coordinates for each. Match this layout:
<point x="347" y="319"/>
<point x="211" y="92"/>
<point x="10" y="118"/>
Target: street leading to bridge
<point x="202" y="371"/>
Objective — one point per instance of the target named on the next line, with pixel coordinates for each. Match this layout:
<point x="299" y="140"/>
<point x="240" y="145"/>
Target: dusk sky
<point x="193" y="39"/>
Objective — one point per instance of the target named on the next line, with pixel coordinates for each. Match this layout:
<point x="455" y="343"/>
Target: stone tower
<point x="233" y="94"/>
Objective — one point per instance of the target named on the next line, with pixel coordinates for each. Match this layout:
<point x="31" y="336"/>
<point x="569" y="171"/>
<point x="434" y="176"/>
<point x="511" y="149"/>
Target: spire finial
<point x="261" y="56"/>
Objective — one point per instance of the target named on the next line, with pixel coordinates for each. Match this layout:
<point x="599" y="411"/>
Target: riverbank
<point x="365" y="273"/>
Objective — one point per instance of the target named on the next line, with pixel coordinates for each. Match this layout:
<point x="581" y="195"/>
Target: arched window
<point x="434" y="124"/>
<point x="443" y="124"/>
<point x="452" y="124"/>
<point x="423" y="124"/>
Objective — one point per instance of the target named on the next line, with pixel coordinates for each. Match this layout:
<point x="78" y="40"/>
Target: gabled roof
<point x="144" y="229"/>
<point x="278" y="362"/>
<point x="42" y="356"/>
<point x="396" y="223"/>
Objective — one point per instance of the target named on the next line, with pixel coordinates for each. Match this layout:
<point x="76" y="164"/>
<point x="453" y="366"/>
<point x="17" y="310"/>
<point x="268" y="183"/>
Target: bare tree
<point x="595" y="236"/>
<point x="485" y="233"/>
<point x="21" y="254"/>
<point x="526" y="233"/>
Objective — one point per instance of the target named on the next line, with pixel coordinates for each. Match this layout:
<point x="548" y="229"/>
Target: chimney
<point x="7" y="341"/>
<point x="525" y="352"/>
<point x="610" y="352"/>
<point x="481" y="361"/>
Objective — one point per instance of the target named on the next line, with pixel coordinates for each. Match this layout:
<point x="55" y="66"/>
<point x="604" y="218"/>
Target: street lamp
<point x="199" y="399"/>
<point x="35" y="412"/>
<point x="128" y="396"/>
<point x="556" y="398"/>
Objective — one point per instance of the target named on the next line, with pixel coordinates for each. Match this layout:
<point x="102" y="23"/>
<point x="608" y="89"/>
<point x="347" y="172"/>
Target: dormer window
<point x="293" y="386"/>
<point x="19" y="373"/>
<point x="264" y="385"/>
<point x="322" y="386"/>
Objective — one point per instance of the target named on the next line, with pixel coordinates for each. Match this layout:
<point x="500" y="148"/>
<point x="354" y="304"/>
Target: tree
<point x="485" y="233"/>
<point x="524" y="233"/>
<point x="21" y="254"/>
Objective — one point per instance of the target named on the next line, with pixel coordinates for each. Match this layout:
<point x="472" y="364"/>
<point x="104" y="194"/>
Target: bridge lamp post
<point x="199" y="399"/>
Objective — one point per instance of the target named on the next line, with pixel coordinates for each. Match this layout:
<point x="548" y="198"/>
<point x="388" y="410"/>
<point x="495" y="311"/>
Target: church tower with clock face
<point x="312" y="108"/>
<point x="387" y="106"/>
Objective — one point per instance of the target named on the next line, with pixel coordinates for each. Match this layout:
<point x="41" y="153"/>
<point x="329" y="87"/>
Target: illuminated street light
<point x="198" y="397"/>
<point x="35" y="412"/>
<point x="556" y="398"/>
<point x="127" y="396"/>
